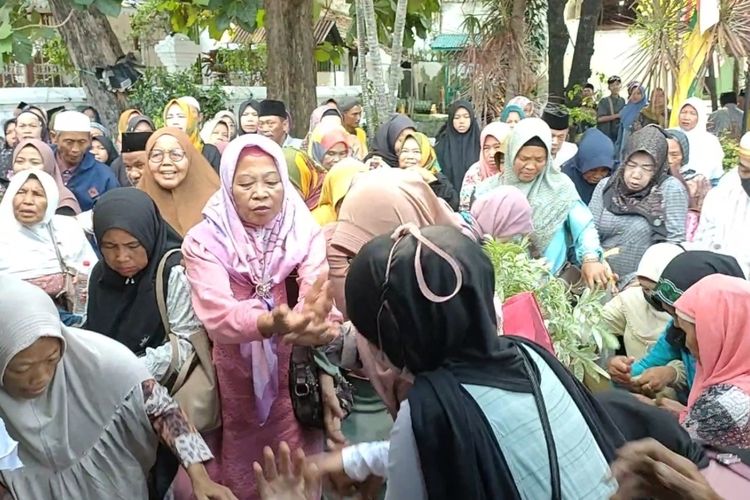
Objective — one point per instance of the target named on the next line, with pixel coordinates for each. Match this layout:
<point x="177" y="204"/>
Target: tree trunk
<point x="382" y="109"/>
<point x="92" y="44"/>
<point x="291" y="72"/>
<point x="580" y="69"/>
<point x="711" y="81"/>
<point x="395" y="76"/>
<point x="518" y="62"/>
<point x="558" y="42"/>
<point x="367" y="98"/>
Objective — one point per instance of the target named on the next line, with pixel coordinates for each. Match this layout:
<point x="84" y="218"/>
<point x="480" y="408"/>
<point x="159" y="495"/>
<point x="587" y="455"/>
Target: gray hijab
<point x="94" y="378"/>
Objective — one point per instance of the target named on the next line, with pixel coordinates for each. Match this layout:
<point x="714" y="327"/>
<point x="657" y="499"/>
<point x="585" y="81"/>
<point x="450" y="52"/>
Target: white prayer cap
<point x="190" y="101"/>
<point x="72" y="121"/>
<point x="745" y="144"/>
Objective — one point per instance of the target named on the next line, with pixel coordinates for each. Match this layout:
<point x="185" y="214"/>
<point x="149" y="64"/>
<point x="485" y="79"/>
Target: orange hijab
<point x="181" y="207"/>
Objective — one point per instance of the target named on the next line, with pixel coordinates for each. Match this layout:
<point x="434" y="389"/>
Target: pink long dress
<point x="229" y="313"/>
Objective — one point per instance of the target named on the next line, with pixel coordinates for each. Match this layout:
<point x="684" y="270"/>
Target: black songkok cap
<point x="133" y="142"/>
<point x="556" y="117"/>
<point x="270" y="107"/>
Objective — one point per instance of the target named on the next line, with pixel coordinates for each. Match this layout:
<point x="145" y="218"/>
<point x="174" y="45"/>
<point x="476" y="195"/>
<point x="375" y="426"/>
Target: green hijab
<point x="551" y="194"/>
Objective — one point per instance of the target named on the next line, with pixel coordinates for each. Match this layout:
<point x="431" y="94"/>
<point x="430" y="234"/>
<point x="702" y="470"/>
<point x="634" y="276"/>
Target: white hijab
<point x="725" y="219"/>
<point x="28" y="252"/>
<point x="92" y="380"/>
<point x="706" y="154"/>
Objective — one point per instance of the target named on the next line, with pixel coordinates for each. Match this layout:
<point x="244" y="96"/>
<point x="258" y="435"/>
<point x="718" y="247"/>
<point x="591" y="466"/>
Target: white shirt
<point x="567" y="151"/>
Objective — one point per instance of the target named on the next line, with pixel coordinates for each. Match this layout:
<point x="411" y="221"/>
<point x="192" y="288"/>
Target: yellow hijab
<point x="125" y="116"/>
<point x="337" y="182"/>
<point x="191" y="129"/>
<point x="429" y="158"/>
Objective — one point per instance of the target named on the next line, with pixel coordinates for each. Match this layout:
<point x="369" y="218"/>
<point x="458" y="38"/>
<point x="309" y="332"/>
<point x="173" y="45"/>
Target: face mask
<point x="653" y="302"/>
<point x="745" y="185"/>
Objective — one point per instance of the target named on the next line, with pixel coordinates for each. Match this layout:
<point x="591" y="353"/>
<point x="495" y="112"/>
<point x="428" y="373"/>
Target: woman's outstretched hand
<point x="293" y="478"/>
<point x="647" y="469"/>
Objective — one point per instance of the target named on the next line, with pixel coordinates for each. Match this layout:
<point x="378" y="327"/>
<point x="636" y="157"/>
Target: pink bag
<point x="523" y="318"/>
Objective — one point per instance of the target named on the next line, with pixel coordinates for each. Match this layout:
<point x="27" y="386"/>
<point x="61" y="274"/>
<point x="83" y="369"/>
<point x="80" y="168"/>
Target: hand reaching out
<point x="618" y="368"/>
<point x="293" y="479"/>
<point x="319" y="300"/>
<point x="332" y="412"/>
<point x="647" y="469"/>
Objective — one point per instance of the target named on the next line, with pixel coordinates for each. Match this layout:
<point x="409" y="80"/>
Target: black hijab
<point x="637" y="420"/>
<point x="97" y="116"/>
<point x="243" y="106"/>
<point x="384" y="144"/>
<point x="649" y="201"/>
<point x="686" y="270"/>
<point x="106" y="142"/>
<point x="123" y="309"/>
<point x="456" y="152"/>
<point x="446" y="344"/>
<point x="138" y="119"/>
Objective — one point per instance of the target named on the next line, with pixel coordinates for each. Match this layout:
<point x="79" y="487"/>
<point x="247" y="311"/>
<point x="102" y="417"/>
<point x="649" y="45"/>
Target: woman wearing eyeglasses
<point x="178" y="178"/>
<point x="640" y="205"/>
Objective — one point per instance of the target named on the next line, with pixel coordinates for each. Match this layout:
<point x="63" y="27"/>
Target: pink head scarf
<point x="258" y="257"/>
<point x="504" y="212"/>
<point x="719" y="307"/>
<point x="67" y="198"/>
<point x="501" y="132"/>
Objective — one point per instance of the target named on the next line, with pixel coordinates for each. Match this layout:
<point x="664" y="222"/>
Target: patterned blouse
<point x="474" y="186"/>
<point x="172" y="426"/>
<point x="182" y="322"/>
<point x="721" y="416"/>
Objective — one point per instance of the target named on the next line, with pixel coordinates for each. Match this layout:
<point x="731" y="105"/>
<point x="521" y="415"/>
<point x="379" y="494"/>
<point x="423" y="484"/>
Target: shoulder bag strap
<point x="60" y="260"/>
<point x="161" y="299"/>
<point x="161" y="302"/>
<point x="554" y="466"/>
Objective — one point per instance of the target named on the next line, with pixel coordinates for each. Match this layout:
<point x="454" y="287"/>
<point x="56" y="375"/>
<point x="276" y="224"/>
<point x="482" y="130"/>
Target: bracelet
<point x="590" y="260"/>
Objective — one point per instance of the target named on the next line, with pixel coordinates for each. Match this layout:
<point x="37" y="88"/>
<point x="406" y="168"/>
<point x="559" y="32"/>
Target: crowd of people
<point x="215" y="309"/>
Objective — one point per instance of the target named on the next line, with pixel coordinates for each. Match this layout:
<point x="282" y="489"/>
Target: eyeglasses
<point x="157" y="155"/>
<point x="647" y="168"/>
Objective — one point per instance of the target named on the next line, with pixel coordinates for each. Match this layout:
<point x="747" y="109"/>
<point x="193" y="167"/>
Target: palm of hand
<point x="284" y="487"/>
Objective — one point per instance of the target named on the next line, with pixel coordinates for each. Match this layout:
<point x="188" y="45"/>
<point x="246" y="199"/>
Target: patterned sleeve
<point x="172" y="426"/>
<point x="720" y="416"/>
<point x="471" y="179"/>
<point x="675" y="210"/>
<point x="182" y="322"/>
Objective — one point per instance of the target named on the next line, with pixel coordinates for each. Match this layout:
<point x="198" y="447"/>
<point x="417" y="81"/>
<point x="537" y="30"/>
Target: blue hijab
<point x="628" y="115"/>
<point x="511" y="108"/>
<point x="630" y="112"/>
<point x="595" y="150"/>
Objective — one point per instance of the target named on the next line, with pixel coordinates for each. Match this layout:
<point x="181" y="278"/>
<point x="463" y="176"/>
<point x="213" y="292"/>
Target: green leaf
<point x="322" y="55"/>
<point x="6" y="30"/>
<point x="260" y="18"/>
<point x="23" y="49"/>
<point x="110" y="8"/>
<point x="6" y="46"/>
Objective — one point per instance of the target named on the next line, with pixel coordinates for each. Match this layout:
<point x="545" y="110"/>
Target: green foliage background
<point x="157" y="87"/>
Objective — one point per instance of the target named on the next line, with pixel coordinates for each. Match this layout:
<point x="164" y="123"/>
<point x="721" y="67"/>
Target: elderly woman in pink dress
<point x="256" y="233"/>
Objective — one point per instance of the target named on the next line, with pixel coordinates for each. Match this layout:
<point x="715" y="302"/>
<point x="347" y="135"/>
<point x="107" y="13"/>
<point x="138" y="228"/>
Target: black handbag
<point x="304" y="377"/>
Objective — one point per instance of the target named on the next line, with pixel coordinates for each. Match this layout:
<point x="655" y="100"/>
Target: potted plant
<point x="575" y="324"/>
